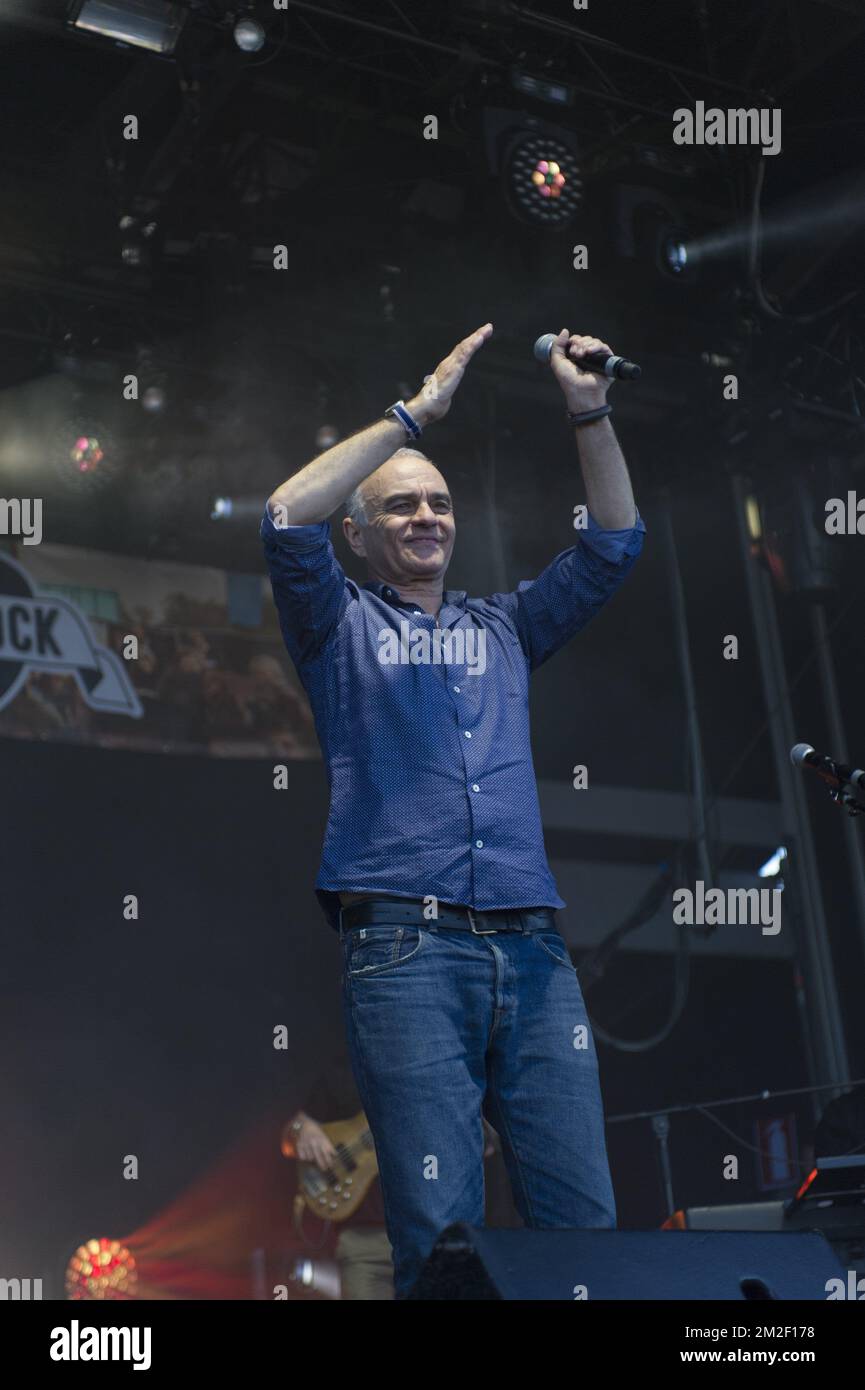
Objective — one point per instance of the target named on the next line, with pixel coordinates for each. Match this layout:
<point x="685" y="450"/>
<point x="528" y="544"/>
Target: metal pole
<point x="830" y="1061"/>
<point x="839" y="751"/>
<point x="686" y="671"/>
<point x="661" y="1131"/>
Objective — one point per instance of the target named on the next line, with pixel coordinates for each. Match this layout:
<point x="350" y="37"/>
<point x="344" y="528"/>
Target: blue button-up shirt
<point x="432" y="786"/>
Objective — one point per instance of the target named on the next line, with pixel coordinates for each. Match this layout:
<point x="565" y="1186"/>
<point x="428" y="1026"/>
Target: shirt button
<point x="457" y="689"/>
<point x="468" y="733"/>
<point x="475" y="787"/>
<point x="479" y="843"/>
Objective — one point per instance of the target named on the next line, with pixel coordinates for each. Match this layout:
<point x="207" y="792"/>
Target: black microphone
<point x="604" y="362"/>
<point x="838" y="775"/>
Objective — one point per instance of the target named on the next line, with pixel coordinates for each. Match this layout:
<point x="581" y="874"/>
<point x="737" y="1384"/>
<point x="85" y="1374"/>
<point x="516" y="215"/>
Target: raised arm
<point x="609" y="496"/>
<point x="315" y="492"/>
<point x="548" y="611"/>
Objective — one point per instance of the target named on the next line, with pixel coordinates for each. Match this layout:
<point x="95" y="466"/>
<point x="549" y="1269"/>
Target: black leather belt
<point x="385" y="912"/>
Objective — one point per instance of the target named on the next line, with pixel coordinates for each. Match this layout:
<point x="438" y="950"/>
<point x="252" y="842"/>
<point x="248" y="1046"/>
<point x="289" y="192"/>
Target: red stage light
<point x="101" y="1269"/>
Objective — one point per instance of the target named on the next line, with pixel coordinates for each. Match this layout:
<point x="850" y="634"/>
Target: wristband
<point x="587" y="416"/>
<point x="398" y="411"/>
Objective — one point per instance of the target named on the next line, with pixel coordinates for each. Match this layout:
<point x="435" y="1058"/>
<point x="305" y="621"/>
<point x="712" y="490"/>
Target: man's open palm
<point x="439" y="387"/>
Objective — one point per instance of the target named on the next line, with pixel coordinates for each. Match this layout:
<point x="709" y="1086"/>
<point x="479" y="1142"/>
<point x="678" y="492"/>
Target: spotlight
<point x="772" y="865"/>
<point x="753" y="519"/>
<point x="326" y="436"/>
<point x="153" y="400"/>
<point x="152" y="24"/>
<point x="675" y="255"/>
<point x="101" y="1269"/>
<point x="249" y="35"/>
<point x="85" y="454"/>
<point x="675" y="250"/>
<point x="543" y="179"/>
<point x="236" y="508"/>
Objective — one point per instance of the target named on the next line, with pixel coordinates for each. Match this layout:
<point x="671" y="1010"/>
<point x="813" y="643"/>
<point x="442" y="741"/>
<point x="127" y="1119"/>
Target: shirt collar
<point x="451" y="598"/>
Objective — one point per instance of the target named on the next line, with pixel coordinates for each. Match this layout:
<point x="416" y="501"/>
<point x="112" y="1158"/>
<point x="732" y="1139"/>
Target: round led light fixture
<point x="543" y="180"/>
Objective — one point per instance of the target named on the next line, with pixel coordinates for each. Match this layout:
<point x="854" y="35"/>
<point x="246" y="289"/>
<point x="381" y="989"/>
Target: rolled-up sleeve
<point x="614" y="546"/>
<point x="551" y="609"/>
<point x="308" y="582"/>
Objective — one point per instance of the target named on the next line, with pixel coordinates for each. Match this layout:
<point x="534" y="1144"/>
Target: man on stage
<point x="460" y="998"/>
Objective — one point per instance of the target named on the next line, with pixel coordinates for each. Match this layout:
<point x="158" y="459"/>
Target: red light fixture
<point x="101" y="1269"/>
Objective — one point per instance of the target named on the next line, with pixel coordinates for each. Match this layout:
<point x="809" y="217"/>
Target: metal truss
<point x="430" y="47"/>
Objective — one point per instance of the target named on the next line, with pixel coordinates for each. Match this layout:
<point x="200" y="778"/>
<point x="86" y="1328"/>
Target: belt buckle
<point x="490" y="931"/>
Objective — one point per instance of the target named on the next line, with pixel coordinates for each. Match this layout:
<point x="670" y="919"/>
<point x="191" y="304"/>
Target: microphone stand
<point x="846" y="794"/>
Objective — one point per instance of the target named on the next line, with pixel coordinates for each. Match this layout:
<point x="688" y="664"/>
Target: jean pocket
<point x="374" y="950"/>
<point x="552" y="944"/>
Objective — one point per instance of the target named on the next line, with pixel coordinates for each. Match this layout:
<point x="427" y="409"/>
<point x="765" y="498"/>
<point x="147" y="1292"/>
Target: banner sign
<point x="53" y="635"/>
<point x="132" y="653"/>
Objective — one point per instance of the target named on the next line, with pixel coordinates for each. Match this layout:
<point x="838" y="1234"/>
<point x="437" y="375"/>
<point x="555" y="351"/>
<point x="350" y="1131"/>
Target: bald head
<point x="400" y="519"/>
<point x="355" y="506"/>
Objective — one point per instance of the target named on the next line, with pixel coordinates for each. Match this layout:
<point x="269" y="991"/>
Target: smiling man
<point x="460" y="999"/>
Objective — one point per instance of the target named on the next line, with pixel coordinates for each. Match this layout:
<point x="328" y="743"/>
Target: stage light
<point x="237" y="508"/>
<point x="152" y="24"/>
<point x="543" y="179"/>
<point x="542" y="88"/>
<point x="753" y="519"/>
<point x="674" y="248"/>
<point x="101" y="1269"/>
<point x="84" y="454"/>
<point x="249" y="35"/>
<point x="326" y="436"/>
<point x="773" y="864"/>
<point x="675" y="256"/>
<point x="153" y="400"/>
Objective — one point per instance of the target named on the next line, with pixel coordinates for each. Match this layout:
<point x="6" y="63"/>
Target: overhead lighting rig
<point x="155" y="25"/>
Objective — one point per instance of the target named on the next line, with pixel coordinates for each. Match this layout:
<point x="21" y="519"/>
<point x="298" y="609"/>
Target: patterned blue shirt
<point x="425" y="735"/>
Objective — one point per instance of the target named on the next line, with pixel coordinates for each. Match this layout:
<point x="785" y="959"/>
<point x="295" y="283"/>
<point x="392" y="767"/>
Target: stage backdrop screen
<point x="133" y="653"/>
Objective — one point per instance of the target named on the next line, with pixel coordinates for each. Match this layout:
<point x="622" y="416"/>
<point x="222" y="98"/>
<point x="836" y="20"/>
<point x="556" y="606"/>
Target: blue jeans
<point x="444" y="1026"/>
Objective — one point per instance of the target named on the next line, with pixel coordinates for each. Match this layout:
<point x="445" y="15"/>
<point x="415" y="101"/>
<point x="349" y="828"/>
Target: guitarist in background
<point x="363" y="1251"/>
